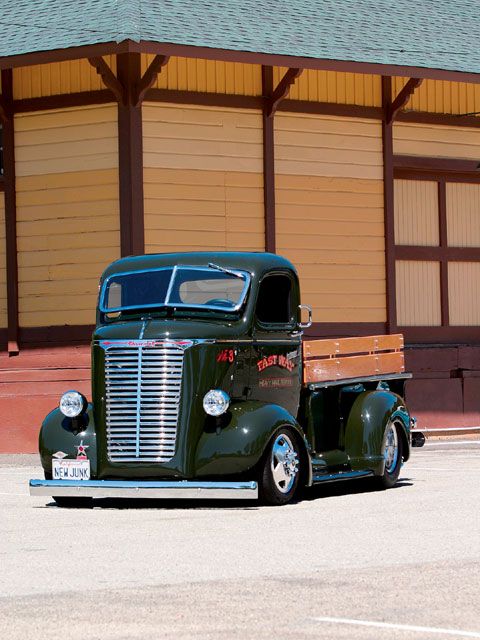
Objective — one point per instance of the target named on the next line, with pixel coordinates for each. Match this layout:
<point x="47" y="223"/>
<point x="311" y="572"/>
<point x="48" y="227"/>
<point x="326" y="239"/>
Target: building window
<point x="437" y="254"/>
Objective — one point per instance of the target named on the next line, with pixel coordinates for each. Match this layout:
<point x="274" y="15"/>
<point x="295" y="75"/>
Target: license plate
<point x="71" y="469"/>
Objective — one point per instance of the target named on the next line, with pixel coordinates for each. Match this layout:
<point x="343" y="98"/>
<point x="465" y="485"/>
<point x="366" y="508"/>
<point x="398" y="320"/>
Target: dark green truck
<point x="203" y="388"/>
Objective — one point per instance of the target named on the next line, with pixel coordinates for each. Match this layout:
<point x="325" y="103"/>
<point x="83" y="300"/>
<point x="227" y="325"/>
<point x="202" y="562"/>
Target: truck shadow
<point x="350" y="487"/>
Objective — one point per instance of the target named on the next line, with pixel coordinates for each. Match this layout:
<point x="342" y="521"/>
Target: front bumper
<point x="189" y="489"/>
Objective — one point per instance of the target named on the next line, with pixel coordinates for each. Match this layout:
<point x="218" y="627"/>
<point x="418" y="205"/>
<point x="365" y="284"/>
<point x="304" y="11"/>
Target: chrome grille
<point x="143" y="386"/>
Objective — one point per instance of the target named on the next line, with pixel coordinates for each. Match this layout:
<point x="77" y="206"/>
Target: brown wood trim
<point x="63" y="100"/>
<point x="58" y="55"/>
<point x="331" y="109"/>
<point x="437" y="254"/>
<point x="402" y="98"/>
<point x="10" y="212"/>
<point x="442" y="209"/>
<point x="345" y="329"/>
<point x="442" y="119"/>
<point x="109" y="78"/>
<point x="130" y="152"/>
<point x="149" y="77"/>
<point x="282" y="90"/>
<point x="2" y="184"/>
<point x="441" y="335"/>
<point x="268" y="161"/>
<point x="204" y="99"/>
<point x="62" y="335"/>
<point x="425" y="174"/>
<point x="388" y="203"/>
<point x="442" y="165"/>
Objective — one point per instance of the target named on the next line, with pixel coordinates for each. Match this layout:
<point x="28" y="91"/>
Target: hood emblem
<point x="82" y="451"/>
<point x="60" y="455"/>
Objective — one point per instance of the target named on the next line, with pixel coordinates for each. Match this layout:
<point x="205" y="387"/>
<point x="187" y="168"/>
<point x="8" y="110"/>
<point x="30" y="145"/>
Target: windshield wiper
<point x="229" y="271"/>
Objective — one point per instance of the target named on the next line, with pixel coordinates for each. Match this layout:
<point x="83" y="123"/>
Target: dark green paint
<point x="338" y="428"/>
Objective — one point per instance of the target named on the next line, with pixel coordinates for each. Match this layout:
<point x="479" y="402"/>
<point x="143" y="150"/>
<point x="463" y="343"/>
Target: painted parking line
<point x="400" y="627"/>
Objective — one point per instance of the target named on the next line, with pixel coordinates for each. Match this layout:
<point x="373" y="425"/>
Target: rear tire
<point x="279" y="473"/>
<point x="392" y="447"/>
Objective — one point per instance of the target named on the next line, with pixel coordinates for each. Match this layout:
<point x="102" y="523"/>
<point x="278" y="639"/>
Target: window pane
<point x="464" y="293"/>
<point x="418" y="294"/>
<point x="416" y="213"/>
<point x="463" y="214"/>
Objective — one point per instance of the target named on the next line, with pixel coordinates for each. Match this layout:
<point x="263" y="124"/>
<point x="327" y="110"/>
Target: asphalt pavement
<point x="346" y="561"/>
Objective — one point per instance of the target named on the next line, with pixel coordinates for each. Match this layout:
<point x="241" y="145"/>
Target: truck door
<point x="276" y="352"/>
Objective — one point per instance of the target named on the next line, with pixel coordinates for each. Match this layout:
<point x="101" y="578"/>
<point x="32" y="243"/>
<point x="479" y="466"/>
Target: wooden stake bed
<point x="345" y="358"/>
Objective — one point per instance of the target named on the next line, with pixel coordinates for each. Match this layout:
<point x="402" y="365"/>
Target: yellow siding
<point x="211" y="76"/>
<point x="328" y="146"/>
<point x="464" y="293"/>
<point x="67" y="212"/>
<point x="331" y="86"/>
<point x="418" y="294"/>
<point x="436" y="141"/>
<point x="3" y="268"/>
<point x="440" y="96"/>
<point x="57" y="78"/>
<point x="203" y="179"/>
<point x="416" y="213"/>
<point x="463" y="214"/>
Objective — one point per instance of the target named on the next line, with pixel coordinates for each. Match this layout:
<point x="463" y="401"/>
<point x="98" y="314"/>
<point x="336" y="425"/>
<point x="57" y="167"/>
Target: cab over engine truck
<point x="202" y="387"/>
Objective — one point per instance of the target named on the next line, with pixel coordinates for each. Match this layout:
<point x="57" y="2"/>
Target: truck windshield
<point x="192" y="287"/>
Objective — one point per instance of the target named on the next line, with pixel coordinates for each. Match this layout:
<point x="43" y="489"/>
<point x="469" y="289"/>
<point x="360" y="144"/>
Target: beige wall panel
<point x="70" y="76"/>
<point x="464" y="293"/>
<point x="463" y="214"/>
<point x="332" y="229"/>
<point x="68" y="232"/>
<point x="439" y="96"/>
<point x="418" y="293"/>
<point x="211" y="76"/>
<point x="195" y="210"/>
<point x="416" y="213"/>
<point x="328" y="146"/>
<point x="436" y="141"/>
<point x="3" y="266"/>
<point x="335" y="87"/>
<point x="211" y="139"/>
<point x="68" y="140"/>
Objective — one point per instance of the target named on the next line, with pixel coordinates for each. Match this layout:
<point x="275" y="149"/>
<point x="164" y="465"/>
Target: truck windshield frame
<point x="176" y="272"/>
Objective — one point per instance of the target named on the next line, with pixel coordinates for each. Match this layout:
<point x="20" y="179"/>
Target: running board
<point x="341" y="475"/>
<point x="165" y="489"/>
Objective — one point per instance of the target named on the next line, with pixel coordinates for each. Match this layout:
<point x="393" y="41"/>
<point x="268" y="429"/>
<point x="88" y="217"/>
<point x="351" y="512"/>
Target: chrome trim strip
<point x="189" y="489"/>
<point x="139" y="401"/>
<point x="341" y="475"/>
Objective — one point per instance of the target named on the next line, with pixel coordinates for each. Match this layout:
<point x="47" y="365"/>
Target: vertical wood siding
<point x="58" y="77"/>
<point x="211" y="76"/>
<point x="330" y="214"/>
<point x="464" y="293"/>
<point x="440" y="96"/>
<point x="416" y="213"/>
<point x="67" y="212"/>
<point x="3" y="266"/>
<point x="418" y="293"/>
<point x="337" y="87"/>
<point x="463" y="214"/>
<point x="436" y="141"/>
<point x="203" y="179"/>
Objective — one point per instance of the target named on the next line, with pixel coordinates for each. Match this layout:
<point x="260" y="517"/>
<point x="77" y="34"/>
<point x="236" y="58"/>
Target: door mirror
<point x="308" y="322"/>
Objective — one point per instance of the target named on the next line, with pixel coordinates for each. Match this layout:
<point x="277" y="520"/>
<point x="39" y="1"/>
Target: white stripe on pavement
<point x="400" y="627"/>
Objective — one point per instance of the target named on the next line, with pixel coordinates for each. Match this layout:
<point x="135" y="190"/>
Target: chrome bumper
<point x="189" y="489"/>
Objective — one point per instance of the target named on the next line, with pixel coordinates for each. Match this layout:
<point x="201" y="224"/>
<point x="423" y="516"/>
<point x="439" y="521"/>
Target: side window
<point x="274" y="300"/>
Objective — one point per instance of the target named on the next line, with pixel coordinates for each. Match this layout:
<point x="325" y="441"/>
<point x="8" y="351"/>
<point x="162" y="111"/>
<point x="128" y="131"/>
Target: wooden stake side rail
<point x="344" y="358"/>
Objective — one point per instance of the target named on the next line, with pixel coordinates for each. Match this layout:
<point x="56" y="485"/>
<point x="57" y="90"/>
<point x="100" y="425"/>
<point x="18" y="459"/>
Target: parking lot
<point x="344" y="562"/>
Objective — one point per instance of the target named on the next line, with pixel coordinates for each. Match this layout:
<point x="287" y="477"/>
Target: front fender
<point x="236" y="444"/>
<point x="366" y="427"/>
<point x="59" y="433"/>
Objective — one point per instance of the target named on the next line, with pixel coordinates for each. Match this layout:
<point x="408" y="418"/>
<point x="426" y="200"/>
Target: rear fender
<point x="366" y="427"/>
<point x="236" y="442"/>
<point x="61" y="434"/>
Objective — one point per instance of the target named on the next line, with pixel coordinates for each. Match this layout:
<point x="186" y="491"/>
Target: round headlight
<point x="216" y="402"/>
<point x="72" y="404"/>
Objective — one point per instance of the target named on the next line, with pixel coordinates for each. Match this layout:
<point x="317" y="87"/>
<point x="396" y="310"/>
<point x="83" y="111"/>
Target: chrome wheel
<point x="391" y="448"/>
<point x="284" y="463"/>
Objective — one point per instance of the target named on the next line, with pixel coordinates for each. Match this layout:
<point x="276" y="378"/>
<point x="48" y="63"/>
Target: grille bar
<point x="143" y="386"/>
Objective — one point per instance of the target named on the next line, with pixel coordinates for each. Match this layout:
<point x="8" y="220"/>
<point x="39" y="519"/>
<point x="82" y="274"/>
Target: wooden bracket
<point x="149" y="77"/>
<point x="402" y="99"/>
<point x="109" y="79"/>
<point x="282" y="90"/>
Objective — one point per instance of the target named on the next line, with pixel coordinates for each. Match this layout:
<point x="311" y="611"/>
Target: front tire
<point x="279" y="473"/>
<point x="392" y="447"/>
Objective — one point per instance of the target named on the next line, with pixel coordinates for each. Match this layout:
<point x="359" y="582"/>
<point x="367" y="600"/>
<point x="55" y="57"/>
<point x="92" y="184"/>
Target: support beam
<point x="268" y="161"/>
<point x="403" y="97"/>
<point x="10" y="210"/>
<point x="130" y="151"/>
<point x="388" y="201"/>
<point x="282" y="90"/>
<point x="109" y="79"/>
<point x="149" y="77"/>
